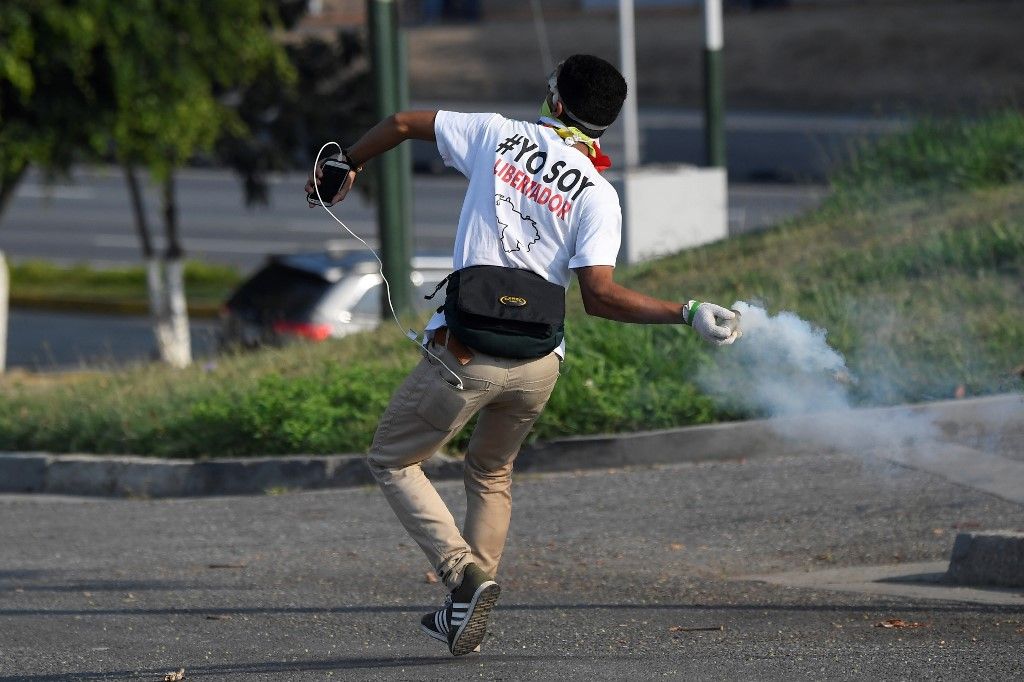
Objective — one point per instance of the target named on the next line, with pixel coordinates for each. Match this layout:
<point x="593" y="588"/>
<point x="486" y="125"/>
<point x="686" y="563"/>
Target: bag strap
<point x="438" y="287"/>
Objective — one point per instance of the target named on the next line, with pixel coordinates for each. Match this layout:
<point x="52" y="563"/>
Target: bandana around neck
<point x="572" y="135"/>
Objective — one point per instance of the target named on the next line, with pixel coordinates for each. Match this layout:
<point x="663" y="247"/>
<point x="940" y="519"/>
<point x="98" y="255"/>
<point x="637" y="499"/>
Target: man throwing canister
<point x="536" y="208"/>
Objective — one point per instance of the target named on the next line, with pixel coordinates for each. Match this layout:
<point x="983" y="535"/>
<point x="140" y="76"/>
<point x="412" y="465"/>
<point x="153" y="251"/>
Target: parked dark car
<point x="316" y="296"/>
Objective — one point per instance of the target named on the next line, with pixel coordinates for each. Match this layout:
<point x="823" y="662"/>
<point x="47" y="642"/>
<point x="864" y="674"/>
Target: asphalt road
<point x="41" y="340"/>
<point x="609" y="574"/>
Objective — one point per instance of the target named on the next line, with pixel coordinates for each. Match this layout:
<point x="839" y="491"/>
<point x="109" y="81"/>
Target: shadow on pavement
<point x="217" y="671"/>
<point x="375" y="609"/>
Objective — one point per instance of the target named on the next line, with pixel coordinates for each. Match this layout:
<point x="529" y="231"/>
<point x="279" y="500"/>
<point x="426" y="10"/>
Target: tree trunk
<point x="163" y="332"/>
<point x="180" y="354"/>
<point x="4" y="297"/>
<point x="164" y="278"/>
<point x="155" y="288"/>
<point x="8" y="183"/>
<point x="139" y="211"/>
<point x="174" y="273"/>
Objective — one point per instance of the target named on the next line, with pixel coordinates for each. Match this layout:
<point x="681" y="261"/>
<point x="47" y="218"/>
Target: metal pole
<point x="714" y="93"/>
<point x="627" y="61"/>
<point x="405" y="165"/>
<point x="391" y="205"/>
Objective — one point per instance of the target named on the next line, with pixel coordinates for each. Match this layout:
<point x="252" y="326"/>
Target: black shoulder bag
<point x="505" y="312"/>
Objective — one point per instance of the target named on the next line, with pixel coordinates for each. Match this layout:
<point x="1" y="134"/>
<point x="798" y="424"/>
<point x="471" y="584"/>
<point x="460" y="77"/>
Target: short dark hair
<point x="592" y="89"/>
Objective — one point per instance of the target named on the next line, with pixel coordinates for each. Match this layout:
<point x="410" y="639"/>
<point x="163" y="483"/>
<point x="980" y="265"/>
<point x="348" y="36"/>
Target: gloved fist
<point x="712" y="322"/>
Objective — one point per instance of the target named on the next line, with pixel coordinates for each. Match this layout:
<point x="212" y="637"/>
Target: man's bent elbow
<point x="414" y="125"/>
<point x="400" y="123"/>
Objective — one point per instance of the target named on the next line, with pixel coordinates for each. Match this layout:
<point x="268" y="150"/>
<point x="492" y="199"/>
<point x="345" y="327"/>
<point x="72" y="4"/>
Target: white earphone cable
<point x="409" y="334"/>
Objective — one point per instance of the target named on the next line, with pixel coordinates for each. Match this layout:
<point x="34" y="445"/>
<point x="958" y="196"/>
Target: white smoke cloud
<point x="783" y="367"/>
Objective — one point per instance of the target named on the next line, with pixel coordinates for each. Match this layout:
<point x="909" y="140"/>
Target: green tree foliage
<point x="173" y="61"/>
<point x="54" y="92"/>
<point x="150" y="76"/>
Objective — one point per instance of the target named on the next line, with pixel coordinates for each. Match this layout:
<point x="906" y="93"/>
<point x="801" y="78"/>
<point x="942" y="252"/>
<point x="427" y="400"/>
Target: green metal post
<point x="392" y="207"/>
<point x="714" y="92"/>
<point x="404" y="150"/>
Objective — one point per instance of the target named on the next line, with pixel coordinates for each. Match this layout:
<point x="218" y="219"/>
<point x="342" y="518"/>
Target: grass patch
<point x="37" y="283"/>
<point x="940" y="155"/>
<point x="920" y="287"/>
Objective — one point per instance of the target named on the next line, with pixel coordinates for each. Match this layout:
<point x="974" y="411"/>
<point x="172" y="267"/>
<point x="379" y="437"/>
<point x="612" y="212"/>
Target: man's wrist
<point x="346" y="156"/>
<point x="688" y="310"/>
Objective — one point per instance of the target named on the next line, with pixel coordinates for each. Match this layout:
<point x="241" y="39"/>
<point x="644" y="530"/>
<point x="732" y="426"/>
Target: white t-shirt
<point x="533" y="202"/>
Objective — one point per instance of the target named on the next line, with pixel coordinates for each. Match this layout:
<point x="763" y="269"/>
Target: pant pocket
<point x="445" y="407"/>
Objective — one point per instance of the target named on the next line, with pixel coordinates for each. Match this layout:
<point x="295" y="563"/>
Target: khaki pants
<point x="428" y="410"/>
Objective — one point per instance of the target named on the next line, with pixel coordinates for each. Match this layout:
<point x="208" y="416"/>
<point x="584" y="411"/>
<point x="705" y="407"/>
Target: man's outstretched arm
<point x="603" y="297"/>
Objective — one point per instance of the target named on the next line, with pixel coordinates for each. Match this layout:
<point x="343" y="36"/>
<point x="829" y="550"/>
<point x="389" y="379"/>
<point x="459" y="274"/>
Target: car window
<point x="368" y="303"/>
<point x="278" y="292"/>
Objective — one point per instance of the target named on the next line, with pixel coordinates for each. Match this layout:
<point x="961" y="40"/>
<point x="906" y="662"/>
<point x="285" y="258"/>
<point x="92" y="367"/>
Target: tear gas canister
<point x="733" y="324"/>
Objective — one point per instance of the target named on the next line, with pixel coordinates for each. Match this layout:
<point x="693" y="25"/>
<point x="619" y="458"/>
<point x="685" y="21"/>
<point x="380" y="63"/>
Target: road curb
<point x="131" y="476"/>
<point x="988" y="558"/>
<point x="147" y="477"/>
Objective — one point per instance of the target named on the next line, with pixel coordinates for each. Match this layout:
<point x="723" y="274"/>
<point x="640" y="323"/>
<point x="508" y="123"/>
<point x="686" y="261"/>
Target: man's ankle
<point x="472" y="577"/>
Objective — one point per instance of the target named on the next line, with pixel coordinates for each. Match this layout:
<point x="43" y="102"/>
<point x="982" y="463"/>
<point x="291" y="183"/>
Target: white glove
<point x="712" y="322"/>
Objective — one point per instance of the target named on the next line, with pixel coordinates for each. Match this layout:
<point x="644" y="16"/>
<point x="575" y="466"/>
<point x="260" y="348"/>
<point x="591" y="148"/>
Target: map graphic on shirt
<point x="518" y="231"/>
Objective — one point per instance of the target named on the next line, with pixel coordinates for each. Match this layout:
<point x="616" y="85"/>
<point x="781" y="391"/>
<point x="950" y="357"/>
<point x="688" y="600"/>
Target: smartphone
<point x="335" y="172"/>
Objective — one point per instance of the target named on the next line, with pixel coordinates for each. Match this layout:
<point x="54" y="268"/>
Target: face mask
<point x="545" y="108"/>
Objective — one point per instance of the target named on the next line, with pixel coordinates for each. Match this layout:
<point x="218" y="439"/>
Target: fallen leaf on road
<point x="938" y="531"/>
<point x="899" y="623"/>
<point x="676" y="546"/>
<point x="681" y="628"/>
<point x="430" y="577"/>
<point x="175" y="676"/>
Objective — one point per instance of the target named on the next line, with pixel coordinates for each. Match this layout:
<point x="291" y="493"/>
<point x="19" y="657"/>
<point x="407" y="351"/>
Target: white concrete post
<point x="5" y="293"/>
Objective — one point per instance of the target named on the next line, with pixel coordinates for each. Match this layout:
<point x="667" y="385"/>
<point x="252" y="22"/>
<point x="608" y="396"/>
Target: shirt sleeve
<point x="459" y="137"/>
<point x="598" y="236"/>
